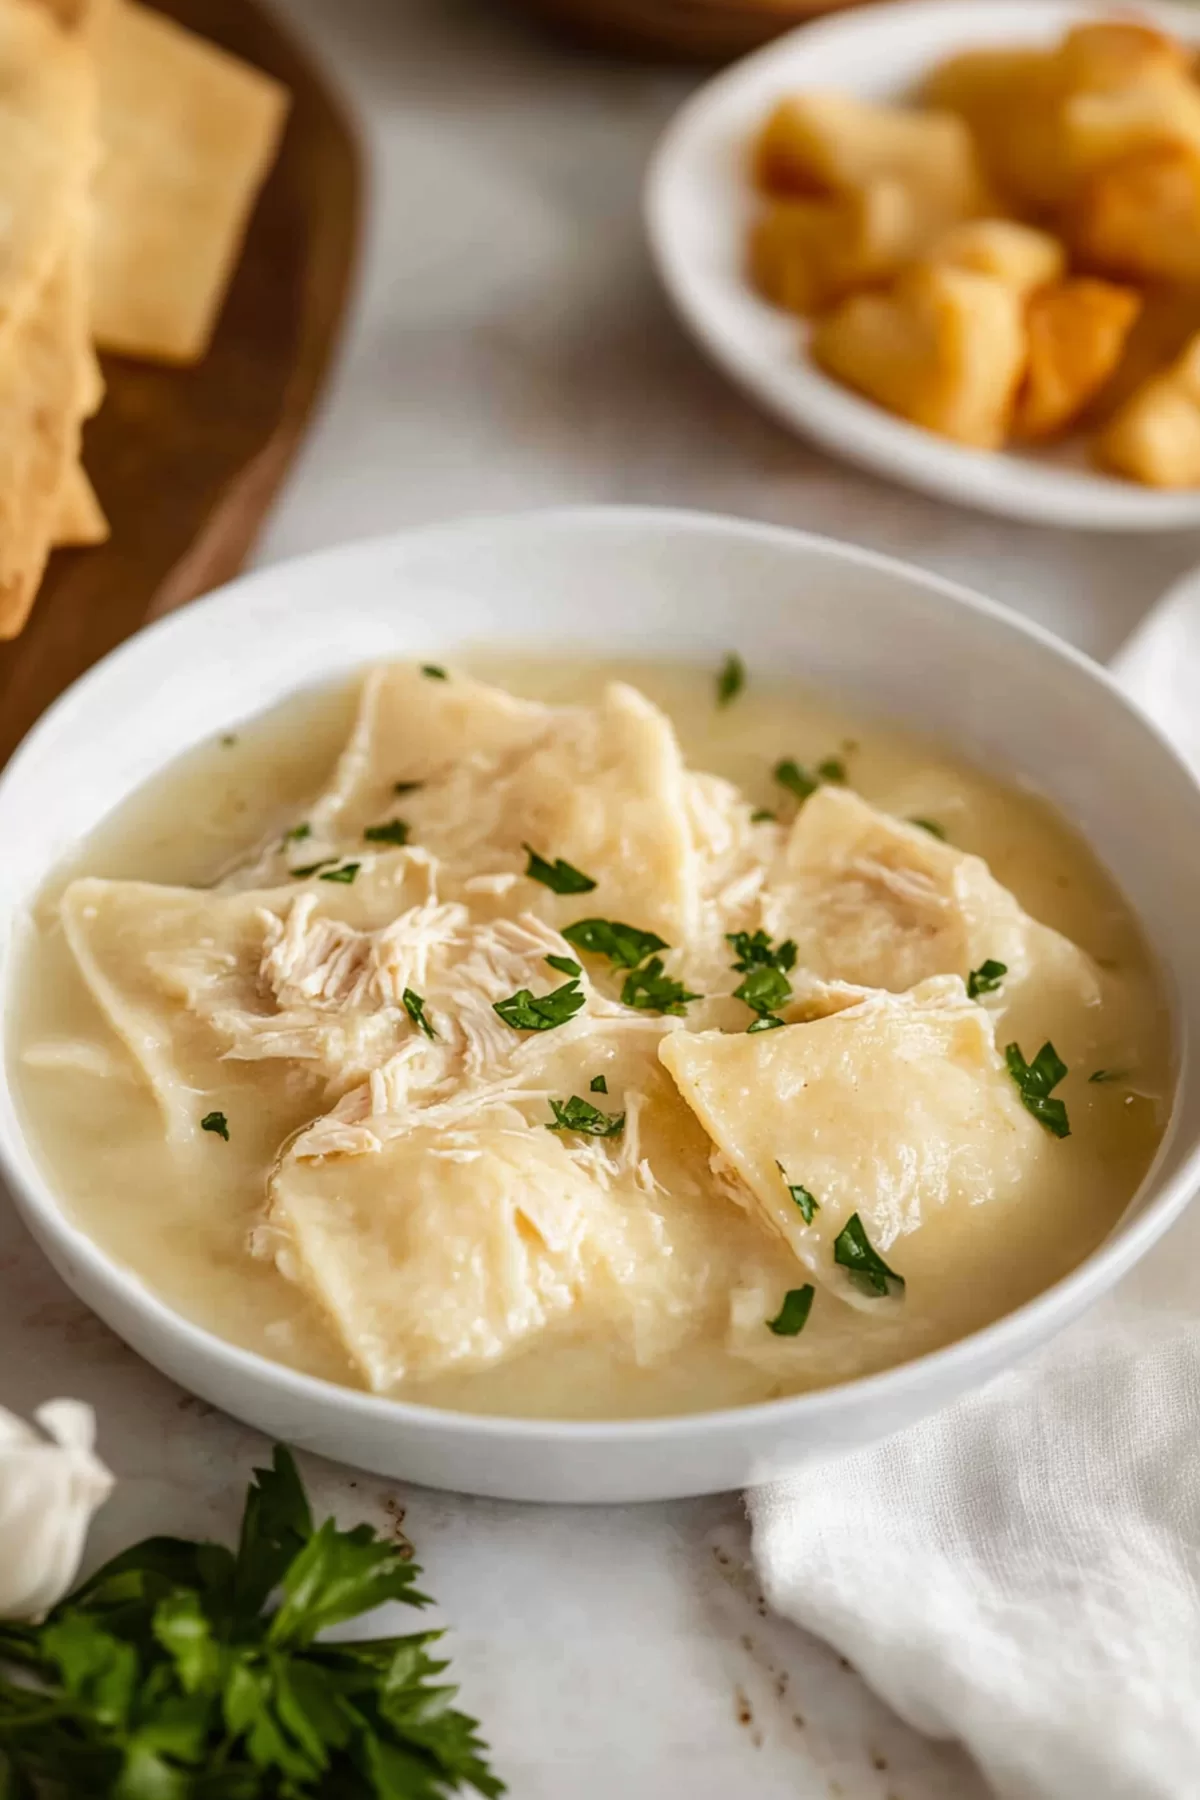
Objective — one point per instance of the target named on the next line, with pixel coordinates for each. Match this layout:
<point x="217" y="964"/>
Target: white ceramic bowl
<point x="698" y="207"/>
<point x="671" y="585"/>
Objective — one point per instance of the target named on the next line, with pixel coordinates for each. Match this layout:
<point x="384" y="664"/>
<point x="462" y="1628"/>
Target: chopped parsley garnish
<point x="764" y="990"/>
<point x="932" y="827"/>
<point x="731" y="680"/>
<point x="311" y="868"/>
<point x="764" y="1022"/>
<point x="394" y="832"/>
<point x="414" y="1006"/>
<point x="528" y="1012"/>
<point x="986" y="978"/>
<point x="598" y="1085"/>
<point x="228" y="740"/>
<point x="566" y="965"/>
<point x="833" y="769"/>
<point x="580" y="1115"/>
<point x="1108" y="1075"/>
<point x="652" y="991"/>
<point x="346" y="873"/>
<point x="297" y="834"/>
<point x="754" y="950"/>
<point x="216" y="1122"/>
<point x="792" y="1316"/>
<point x="1036" y="1080"/>
<point x="406" y="787"/>
<point x="760" y="813"/>
<point x="434" y="671"/>
<point x="804" y="1200"/>
<point x="624" y="945"/>
<point x="852" y="1248"/>
<point x="796" y="780"/>
<point x="558" y="876"/>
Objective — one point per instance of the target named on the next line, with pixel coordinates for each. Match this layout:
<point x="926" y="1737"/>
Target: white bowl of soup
<point x="595" y="1005"/>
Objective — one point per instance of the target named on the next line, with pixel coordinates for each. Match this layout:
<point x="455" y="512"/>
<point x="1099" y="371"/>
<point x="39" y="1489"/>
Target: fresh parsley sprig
<point x="854" y="1251"/>
<point x="559" y="876"/>
<point x="731" y="680"/>
<point x="184" y="1671"/>
<point x="986" y="978"/>
<point x="754" y="950"/>
<point x="580" y="1115"/>
<point x="1036" y="1081"/>
<point x="804" y="1200"/>
<point x="526" y="1011"/>
<point x="802" y="782"/>
<point x="792" y="1316"/>
<point x="625" y="945"/>
<point x="652" y="991"/>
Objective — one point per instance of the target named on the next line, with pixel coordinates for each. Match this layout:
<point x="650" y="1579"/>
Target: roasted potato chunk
<point x="1108" y="54"/>
<point x="944" y="348"/>
<point x="1167" y="319"/>
<point x="1140" y="217"/>
<point x="1075" y="332"/>
<point x="1018" y="255"/>
<point x="827" y="143"/>
<point x="1155" y="436"/>
<point x="805" y="254"/>
<point x="1011" y="100"/>
<point x="1102" y="128"/>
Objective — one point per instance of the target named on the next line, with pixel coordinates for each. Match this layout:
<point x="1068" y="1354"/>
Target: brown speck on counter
<point x="781" y="1681"/>
<point x="747" y="1642"/>
<point x="395" y="1513"/>
<point x="722" y="1556"/>
<point x="745" y="1713"/>
<point x="798" y="1721"/>
<point x="846" y="1663"/>
<point x="878" y="1761"/>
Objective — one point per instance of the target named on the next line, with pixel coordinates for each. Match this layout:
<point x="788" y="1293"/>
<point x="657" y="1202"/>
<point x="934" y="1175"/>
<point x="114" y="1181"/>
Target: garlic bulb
<point x="49" y="1488"/>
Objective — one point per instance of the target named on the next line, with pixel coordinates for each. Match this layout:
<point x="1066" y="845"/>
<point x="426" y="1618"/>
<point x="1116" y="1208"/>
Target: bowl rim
<point x="994" y="1346"/>
<point x="1009" y="482"/>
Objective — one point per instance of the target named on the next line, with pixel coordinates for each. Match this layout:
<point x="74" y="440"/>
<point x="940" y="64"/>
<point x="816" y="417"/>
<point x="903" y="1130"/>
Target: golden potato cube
<point x="805" y="254"/>
<point x="1101" y="128"/>
<point x="1155" y="437"/>
<point x="1140" y="217"/>
<point x="1021" y="256"/>
<point x="944" y="348"/>
<point x="1167" y="319"/>
<point x="822" y="143"/>
<point x="1011" y="100"/>
<point x="1076" y="331"/>
<point x="1107" y="54"/>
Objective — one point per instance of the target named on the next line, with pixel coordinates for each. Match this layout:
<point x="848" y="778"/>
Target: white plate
<point x="894" y="641"/>
<point x="699" y="204"/>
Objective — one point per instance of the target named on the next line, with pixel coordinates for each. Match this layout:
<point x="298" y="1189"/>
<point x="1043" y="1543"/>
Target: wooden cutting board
<point x="186" y="461"/>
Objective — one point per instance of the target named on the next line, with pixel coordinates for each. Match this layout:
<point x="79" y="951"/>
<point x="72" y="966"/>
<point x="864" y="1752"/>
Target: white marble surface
<point x="509" y="349"/>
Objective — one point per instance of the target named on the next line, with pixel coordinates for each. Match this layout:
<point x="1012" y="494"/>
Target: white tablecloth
<point x="509" y="349"/>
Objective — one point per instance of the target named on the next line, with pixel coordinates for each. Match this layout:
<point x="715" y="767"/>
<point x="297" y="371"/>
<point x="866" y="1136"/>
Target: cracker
<point x="47" y="144"/>
<point x="188" y="134"/>
<point x="43" y="392"/>
<point x="79" y="519"/>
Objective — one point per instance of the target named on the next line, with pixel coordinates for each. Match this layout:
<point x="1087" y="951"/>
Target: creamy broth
<point x="98" y="1130"/>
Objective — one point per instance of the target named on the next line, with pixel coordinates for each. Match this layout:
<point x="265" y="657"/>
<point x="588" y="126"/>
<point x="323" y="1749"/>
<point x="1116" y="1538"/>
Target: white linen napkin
<point x="1022" y="1572"/>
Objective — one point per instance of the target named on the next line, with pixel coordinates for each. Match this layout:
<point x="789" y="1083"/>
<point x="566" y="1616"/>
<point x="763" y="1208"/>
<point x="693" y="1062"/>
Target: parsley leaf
<point x="986" y="978"/>
<point x="395" y="831"/>
<point x="580" y="1115"/>
<point x="1109" y="1075"/>
<point x="833" y="769"/>
<point x="345" y="874"/>
<point x="311" y="868"/>
<point x="764" y="1022"/>
<point x="796" y="780"/>
<point x="760" y="813"/>
<point x="804" y="1200"/>
<point x="566" y="965"/>
<point x="624" y="945"/>
<point x="1036" y="1080"/>
<point x="181" y="1672"/>
<point x="528" y="1012"/>
<point x="754" y="950"/>
<point x="792" y="1316"/>
<point x="558" y="876"/>
<point x="434" y="671"/>
<point x="731" y="680"/>
<point x="406" y="787"/>
<point x="764" y="990"/>
<point x="598" y="1085"/>
<point x="414" y="1006"/>
<point x="932" y="827"/>
<point x="216" y="1122"/>
<point x="852" y="1248"/>
<point x="652" y="991"/>
<point x="297" y="834"/>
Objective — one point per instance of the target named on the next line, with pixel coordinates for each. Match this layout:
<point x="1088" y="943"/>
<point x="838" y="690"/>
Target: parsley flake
<point x="932" y="827"/>
<point x="833" y="769"/>
<point x="297" y="834"/>
<point x="804" y="1200"/>
<point x="528" y="1012"/>
<point x="345" y="874"/>
<point x="580" y="1115"/>
<point x="754" y="950"/>
<point x="764" y="991"/>
<point x="414" y="1006"/>
<point x="652" y="991"/>
<point x="566" y="965"/>
<point x="311" y="868"/>
<point x="731" y="680"/>
<point x="558" y="876"/>
<point x="986" y="978"/>
<point x="434" y="671"/>
<point x="852" y="1248"/>
<point x="796" y="780"/>
<point x="760" y="813"/>
<point x="598" y="1085"/>
<point x="624" y="945"/>
<point x="792" y="1316"/>
<point x="228" y="740"/>
<point x="764" y="1022"/>
<point x="406" y="787"/>
<point x="216" y="1122"/>
<point x="1109" y="1075"/>
<point x="1036" y="1081"/>
<point x="395" y="831"/>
